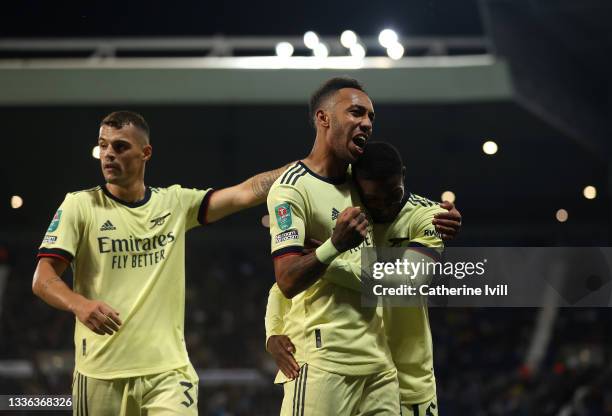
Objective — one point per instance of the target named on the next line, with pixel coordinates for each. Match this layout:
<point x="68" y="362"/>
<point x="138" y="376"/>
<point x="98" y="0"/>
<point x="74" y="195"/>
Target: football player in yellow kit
<point x="125" y="242"/>
<point x="400" y="219"/>
<point x="346" y="358"/>
<point x="346" y="364"/>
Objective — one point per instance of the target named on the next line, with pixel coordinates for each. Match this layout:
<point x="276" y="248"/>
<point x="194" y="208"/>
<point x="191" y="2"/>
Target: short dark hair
<point x="329" y="88"/>
<point x="120" y="119"/>
<point x="379" y="161"/>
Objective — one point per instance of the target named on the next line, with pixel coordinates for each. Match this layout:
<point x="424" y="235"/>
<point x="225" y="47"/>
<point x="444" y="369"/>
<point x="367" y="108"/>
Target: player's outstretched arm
<point x="247" y="194"/>
<point x="296" y="273"/>
<point x="49" y="286"/>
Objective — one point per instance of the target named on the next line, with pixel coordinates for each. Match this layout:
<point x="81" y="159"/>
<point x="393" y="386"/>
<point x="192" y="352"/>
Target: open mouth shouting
<point x="359" y="142"/>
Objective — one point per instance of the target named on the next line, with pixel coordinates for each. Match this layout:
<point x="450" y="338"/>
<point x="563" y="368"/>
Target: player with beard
<point x="125" y="242"/>
<point x="347" y="365"/>
<point x="401" y="219"/>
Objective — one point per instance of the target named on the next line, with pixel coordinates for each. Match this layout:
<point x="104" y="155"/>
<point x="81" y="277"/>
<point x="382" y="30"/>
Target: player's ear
<point x="147" y="152"/>
<point x="322" y="117"/>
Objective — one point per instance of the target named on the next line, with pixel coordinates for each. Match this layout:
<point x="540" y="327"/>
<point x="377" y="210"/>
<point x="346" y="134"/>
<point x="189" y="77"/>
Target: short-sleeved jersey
<point x="407" y="328"/>
<point x="340" y="335"/>
<point x="132" y="257"/>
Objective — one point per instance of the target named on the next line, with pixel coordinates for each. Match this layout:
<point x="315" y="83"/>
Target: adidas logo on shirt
<point x="107" y="226"/>
<point x="335" y="213"/>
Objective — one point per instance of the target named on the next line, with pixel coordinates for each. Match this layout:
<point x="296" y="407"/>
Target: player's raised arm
<point x="49" y="286"/>
<point x="247" y="194"/>
<point x="295" y="272"/>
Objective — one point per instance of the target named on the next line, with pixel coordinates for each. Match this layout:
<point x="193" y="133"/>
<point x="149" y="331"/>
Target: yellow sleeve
<point x="286" y="208"/>
<point x="422" y="231"/>
<point x="277" y="308"/>
<point x="65" y="231"/>
<point x="344" y="273"/>
<point x="195" y="205"/>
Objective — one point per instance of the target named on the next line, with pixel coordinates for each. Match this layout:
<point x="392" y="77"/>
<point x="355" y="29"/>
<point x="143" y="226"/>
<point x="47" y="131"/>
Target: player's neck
<point x="132" y="192"/>
<point x="324" y="162"/>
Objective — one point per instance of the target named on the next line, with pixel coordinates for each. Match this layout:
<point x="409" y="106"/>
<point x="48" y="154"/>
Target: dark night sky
<point x="36" y="18"/>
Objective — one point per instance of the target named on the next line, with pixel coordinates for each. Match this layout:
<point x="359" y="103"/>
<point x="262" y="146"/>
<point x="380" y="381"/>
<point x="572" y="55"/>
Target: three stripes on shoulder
<point x="291" y="176"/>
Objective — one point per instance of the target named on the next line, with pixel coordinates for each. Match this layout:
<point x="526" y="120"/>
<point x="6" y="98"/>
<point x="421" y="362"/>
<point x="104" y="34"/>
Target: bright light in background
<point x="489" y="147"/>
<point x="311" y="40"/>
<point x="590" y="192"/>
<point x="348" y="39"/>
<point x="320" y="51"/>
<point x="395" y="51"/>
<point x="358" y="51"/>
<point x="562" y="215"/>
<point x="265" y="221"/>
<point x="95" y="152"/>
<point x="448" y="196"/>
<point x="387" y="37"/>
<point x="284" y="49"/>
<point x="16" y="202"/>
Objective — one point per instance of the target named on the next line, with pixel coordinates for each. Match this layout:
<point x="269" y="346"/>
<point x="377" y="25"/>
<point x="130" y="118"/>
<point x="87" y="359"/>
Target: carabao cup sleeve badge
<point x="55" y="221"/>
<point x="283" y="215"/>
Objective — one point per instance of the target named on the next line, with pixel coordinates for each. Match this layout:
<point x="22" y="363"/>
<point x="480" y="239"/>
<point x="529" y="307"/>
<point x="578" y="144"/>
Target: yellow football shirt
<point x="132" y="257"/>
<point x="407" y="328"/>
<point x="340" y="336"/>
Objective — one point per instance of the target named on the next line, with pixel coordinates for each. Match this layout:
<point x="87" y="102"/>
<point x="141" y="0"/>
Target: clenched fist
<point x="351" y="229"/>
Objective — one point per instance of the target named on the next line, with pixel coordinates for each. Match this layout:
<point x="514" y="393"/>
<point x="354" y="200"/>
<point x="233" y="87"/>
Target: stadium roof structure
<point x="240" y="70"/>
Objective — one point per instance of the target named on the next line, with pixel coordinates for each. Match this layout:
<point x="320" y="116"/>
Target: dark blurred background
<point x="541" y="92"/>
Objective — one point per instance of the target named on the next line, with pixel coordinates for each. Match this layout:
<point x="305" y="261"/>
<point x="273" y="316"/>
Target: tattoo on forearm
<point x="262" y="183"/>
<point x="51" y="282"/>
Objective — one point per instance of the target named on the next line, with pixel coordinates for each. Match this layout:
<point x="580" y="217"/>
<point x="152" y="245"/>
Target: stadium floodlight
<point x="348" y="39"/>
<point x="589" y="192"/>
<point x="395" y="51"/>
<point x="489" y="147"/>
<point x="321" y="51"/>
<point x="561" y="215"/>
<point x="95" y="152"/>
<point x="358" y="51"/>
<point x="16" y="202"/>
<point x="311" y="40"/>
<point x="448" y="196"/>
<point x="284" y="49"/>
<point x="387" y="37"/>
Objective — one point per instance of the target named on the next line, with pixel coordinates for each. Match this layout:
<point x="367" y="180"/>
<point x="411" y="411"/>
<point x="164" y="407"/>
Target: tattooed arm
<point x="49" y="286"/>
<point x="247" y="194"/>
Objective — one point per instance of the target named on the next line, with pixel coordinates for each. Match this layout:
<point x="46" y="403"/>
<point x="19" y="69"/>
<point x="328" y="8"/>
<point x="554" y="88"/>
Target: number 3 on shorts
<point x="187" y="386"/>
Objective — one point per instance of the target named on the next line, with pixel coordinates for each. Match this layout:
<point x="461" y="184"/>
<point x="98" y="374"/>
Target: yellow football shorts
<point x="316" y="392"/>
<point x="173" y="392"/>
